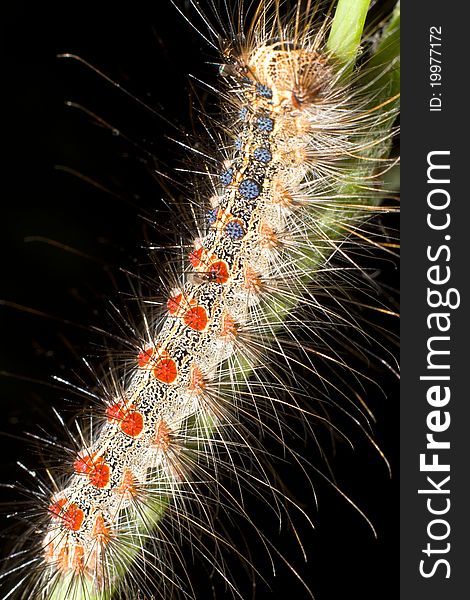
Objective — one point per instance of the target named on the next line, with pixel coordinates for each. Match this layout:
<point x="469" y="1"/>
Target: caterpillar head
<point x="296" y="75"/>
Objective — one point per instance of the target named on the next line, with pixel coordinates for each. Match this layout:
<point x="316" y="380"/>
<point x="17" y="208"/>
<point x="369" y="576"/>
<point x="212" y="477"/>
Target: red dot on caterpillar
<point x="196" y="318"/>
<point x="177" y="303"/>
<point x="83" y="464"/>
<point x="69" y="513"/>
<point x="132" y="424"/>
<point x="116" y="411"/>
<point x="173" y="304"/>
<point x="126" y="417"/>
<point x="195" y="258"/>
<point x="94" y="467"/>
<point x="218" y="271"/>
<point x="145" y="356"/>
<point x="165" y="370"/>
<point x="99" y="477"/>
<point x="73" y="517"/>
<point x="56" y="507"/>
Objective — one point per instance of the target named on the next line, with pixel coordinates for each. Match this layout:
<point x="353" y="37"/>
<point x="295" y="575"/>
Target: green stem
<point x="346" y="32"/>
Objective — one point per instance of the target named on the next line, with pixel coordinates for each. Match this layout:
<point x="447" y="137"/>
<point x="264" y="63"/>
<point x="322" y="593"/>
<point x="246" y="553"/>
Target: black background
<point x="148" y="49"/>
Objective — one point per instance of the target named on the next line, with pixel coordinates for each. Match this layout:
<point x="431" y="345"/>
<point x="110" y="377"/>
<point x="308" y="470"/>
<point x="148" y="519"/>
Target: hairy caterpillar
<point x="148" y="584"/>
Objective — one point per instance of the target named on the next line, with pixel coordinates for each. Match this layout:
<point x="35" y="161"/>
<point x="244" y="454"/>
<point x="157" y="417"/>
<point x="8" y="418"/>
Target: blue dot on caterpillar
<point x="235" y="230"/>
<point x="265" y="124"/>
<point x="242" y="113"/>
<point x="212" y="216"/>
<point x="226" y="177"/>
<point x="264" y="91"/>
<point x="249" y="189"/>
<point x="263" y="155"/>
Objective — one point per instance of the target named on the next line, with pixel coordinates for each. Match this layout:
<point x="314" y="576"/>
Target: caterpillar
<point x="216" y="378"/>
